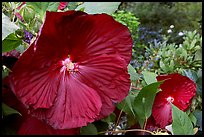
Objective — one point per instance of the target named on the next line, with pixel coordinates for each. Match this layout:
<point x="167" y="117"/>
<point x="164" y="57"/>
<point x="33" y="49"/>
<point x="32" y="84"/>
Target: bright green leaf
<point x="88" y="130"/>
<point x="149" y="77"/>
<point x="8" y="27"/>
<point x="133" y="75"/>
<point x="99" y="7"/>
<point x="6" y="110"/>
<point x="10" y="43"/>
<point x="144" y="101"/>
<point x="181" y="124"/>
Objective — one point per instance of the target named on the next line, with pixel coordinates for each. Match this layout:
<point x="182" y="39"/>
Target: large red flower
<point x="76" y="70"/>
<point x="26" y="124"/>
<point x="177" y="89"/>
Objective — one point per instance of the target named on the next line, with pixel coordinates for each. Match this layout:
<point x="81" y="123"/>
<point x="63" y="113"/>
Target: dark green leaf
<point x="133" y="75"/>
<point x="198" y="115"/>
<point x="88" y="130"/>
<point x="199" y="86"/>
<point x="8" y="27"/>
<point x="149" y="77"/>
<point x="10" y="43"/>
<point x="110" y="118"/>
<point x="6" y="110"/>
<point x="181" y="124"/>
<point x="144" y="101"/>
<point x="99" y="7"/>
<point x="100" y="125"/>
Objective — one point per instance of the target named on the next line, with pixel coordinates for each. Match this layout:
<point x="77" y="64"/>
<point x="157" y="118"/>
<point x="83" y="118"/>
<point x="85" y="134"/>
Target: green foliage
<point x="149" y="77"/>
<point x="8" y="27"/>
<point x="6" y="110"/>
<point x="99" y="7"/>
<point x="144" y="101"/>
<point x="90" y="129"/>
<point x="181" y="124"/>
<point x="110" y="118"/>
<point x="160" y="15"/>
<point x="10" y="42"/>
<point x="133" y="75"/>
<point x="175" y="58"/>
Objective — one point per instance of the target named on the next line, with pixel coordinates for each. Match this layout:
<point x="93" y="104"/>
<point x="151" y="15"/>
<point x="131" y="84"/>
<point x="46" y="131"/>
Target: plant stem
<point x="121" y="131"/>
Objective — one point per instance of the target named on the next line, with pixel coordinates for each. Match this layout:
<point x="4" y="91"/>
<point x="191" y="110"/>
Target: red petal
<point x="76" y="105"/>
<point x="181" y="88"/>
<point x="35" y="87"/>
<point x="107" y="74"/>
<point x="33" y="126"/>
<point x="161" y="110"/>
<point x="99" y="34"/>
<point x="62" y="5"/>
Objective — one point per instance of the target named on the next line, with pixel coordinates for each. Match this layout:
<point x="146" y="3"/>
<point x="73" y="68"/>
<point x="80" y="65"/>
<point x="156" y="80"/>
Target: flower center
<point x="170" y="99"/>
<point x="71" y="67"/>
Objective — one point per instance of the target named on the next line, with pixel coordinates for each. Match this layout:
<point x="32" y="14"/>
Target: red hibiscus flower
<point x="76" y="69"/>
<point x="26" y="124"/>
<point x="176" y="89"/>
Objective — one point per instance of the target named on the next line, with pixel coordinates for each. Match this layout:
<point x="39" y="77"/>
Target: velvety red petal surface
<point x="100" y="46"/>
<point x="33" y="126"/>
<point x="180" y="88"/>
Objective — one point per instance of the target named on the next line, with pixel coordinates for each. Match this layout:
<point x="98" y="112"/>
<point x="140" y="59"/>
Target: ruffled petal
<point x="33" y="126"/>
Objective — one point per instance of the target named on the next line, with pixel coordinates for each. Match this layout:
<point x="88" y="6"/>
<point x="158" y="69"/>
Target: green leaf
<point x="6" y="110"/>
<point x="53" y="6"/>
<point x="8" y="27"/>
<point x="191" y="74"/>
<point x="199" y="86"/>
<point x="88" y="130"/>
<point x="181" y="124"/>
<point x="198" y="114"/>
<point x="39" y="7"/>
<point x="198" y="55"/>
<point x="133" y="75"/>
<point x="110" y="118"/>
<point x="99" y="7"/>
<point x="192" y="118"/>
<point x="149" y="77"/>
<point x="144" y="101"/>
<point x="10" y="43"/>
<point x="72" y="5"/>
